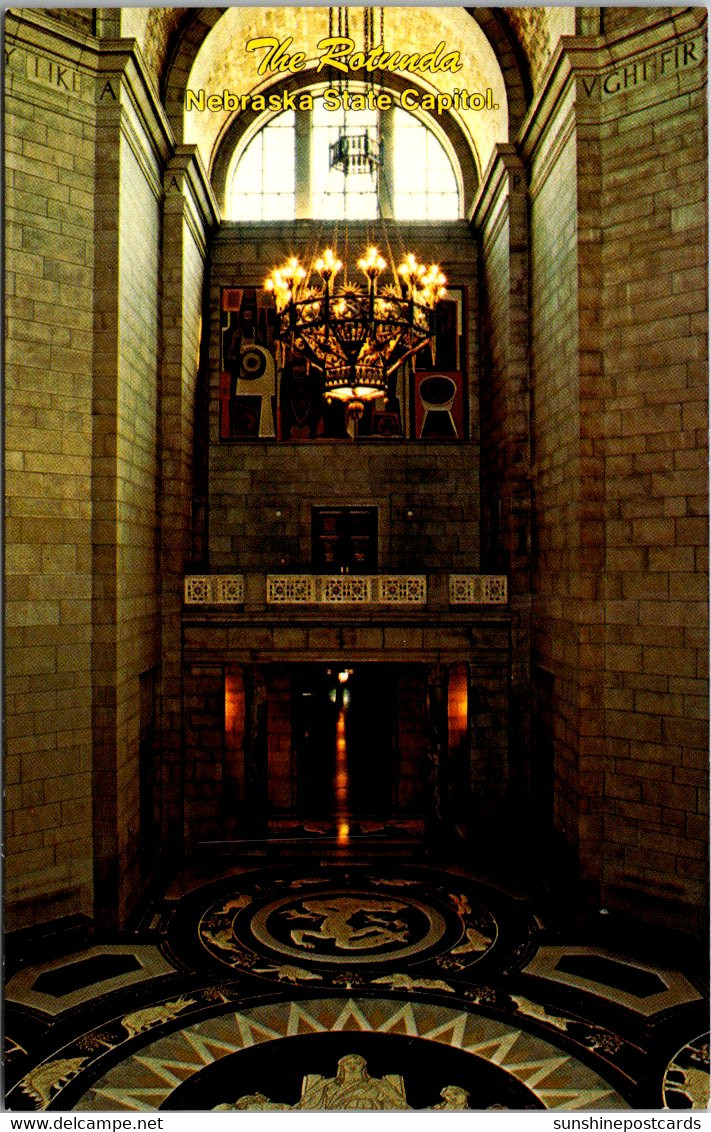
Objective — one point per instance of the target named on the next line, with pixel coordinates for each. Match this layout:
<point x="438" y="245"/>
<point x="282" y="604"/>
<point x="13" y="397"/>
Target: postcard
<point x="356" y="742"/>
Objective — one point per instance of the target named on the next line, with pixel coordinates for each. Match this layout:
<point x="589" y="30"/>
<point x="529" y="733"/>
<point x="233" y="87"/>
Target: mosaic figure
<point x="475" y="941"/>
<point x="51" y="1076"/>
<point x="454" y="1099"/>
<point x="351" y="1090"/>
<point x="150" y="1016"/>
<point x="253" y="1102"/>
<point x="403" y="981"/>
<point x="335" y="914"/>
<point x="287" y="973"/>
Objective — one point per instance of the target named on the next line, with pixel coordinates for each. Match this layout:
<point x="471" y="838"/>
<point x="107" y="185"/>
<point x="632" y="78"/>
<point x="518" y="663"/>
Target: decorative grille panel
<point x="478" y="589"/>
<point x="197" y="589"/>
<point x="346" y="589"/>
<point x="340" y="588"/>
<point x="214" y="589"/>
<point x="228" y="588"/>
<point x="287" y="589"/>
<point x="402" y="589"/>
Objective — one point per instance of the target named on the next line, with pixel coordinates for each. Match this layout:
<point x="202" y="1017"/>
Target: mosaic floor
<point x="344" y="988"/>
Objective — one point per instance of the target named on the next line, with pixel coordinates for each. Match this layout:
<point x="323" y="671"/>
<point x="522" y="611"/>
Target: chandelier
<point x="356" y="334"/>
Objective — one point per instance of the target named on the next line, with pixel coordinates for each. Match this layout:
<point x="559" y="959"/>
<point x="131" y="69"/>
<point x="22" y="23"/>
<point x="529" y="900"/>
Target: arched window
<point x="285" y="171"/>
<point x="263" y="186"/>
<point x="425" y="183"/>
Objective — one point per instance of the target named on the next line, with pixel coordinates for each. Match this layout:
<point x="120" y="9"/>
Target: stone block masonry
<point x="49" y="275"/>
<point x="83" y="177"/>
<point x="261" y="494"/>
<point x="583" y="480"/>
<point x="556" y="470"/>
<point x="619" y="435"/>
<point x="653" y="317"/>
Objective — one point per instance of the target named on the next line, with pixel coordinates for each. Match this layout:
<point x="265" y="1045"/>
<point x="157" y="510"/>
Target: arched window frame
<point x="227" y="164"/>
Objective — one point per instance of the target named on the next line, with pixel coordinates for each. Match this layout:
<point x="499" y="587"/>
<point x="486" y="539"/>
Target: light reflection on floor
<point x="340" y="778"/>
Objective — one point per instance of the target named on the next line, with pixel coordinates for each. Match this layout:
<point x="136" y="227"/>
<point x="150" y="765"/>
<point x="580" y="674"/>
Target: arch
<point x="492" y="22"/>
<point x="198" y="25"/>
<point x="511" y="60"/>
<point x="242" y="124"/>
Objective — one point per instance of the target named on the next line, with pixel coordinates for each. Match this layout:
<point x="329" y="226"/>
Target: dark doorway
<point x="344" y="539"/>
<point x="343" y="727"/>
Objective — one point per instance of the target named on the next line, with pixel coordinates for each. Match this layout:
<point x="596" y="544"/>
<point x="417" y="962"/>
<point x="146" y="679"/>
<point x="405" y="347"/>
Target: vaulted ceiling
<point x="505" y="49"/>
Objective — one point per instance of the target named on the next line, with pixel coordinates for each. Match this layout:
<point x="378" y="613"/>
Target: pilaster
<point x="132" y="142"/>
<point x="500" y="221"/>
<point x="189" y="216"/>
<point x="617" y="175"/>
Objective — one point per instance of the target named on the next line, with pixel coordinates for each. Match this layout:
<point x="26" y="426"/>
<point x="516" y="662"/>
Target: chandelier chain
<point x="356" y="336"/>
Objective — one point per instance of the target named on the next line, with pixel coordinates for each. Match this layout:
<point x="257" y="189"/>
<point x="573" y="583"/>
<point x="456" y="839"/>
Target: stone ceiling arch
<point x="198" y="25"/>
<point x="447" y="128"/>
<point x="497" y="37"/>
<point x="512" y="60"/>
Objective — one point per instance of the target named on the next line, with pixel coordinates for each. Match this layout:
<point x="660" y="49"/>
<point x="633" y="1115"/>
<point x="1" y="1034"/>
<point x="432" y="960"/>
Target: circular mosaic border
<point x="686" y="1077"/>
<point x="234" y="931"/>
<point x="436" y="929"/>
<point x="144" y="1080"/>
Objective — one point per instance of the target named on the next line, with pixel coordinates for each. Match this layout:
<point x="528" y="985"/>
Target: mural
<point x="267" y="393"/>
<point x="438" y="401"/>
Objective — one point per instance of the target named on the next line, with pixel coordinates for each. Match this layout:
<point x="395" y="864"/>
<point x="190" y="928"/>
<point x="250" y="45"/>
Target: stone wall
<point x="84" y="167"/>
<point x="137" y="495"/>
<point x="500" y="223"/>
<point x="494" y="257"/>
<point x="261" y="498"/>
<point x="131" y="143"/>
<point x="49" y="233"/>
<point x="585" y="266"/>
<point x="261" y="493"/>
<point x="282" y="785"/>
<point x="188" y="215"/>
<point x="411" y="793"/>
<point x="618" y="368"/>
<point x="653" y="205"/>
<point x="555" y="426"/>
<point x="205" y="801"/>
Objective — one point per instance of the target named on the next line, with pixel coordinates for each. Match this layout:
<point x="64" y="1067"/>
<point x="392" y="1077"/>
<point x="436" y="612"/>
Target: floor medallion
<point x="339" y="987"/>
<point x="350" y="927"/>
<point x="686" y="1080"/>
<point x="338" y="1053"/>
<point x="316" y="928"/>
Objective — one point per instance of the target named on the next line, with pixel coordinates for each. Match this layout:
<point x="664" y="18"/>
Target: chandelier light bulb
<point x="434" y="277"/>
<point x="411" y="270"/>
<point x="284" y="281"/>
<point x="328" y="265"/>
<point x="372" y="263"/>
<point x="433" y="284"/>
<point x="294" y="272"/>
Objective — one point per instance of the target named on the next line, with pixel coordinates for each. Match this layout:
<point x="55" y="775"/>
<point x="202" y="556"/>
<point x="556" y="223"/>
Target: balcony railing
<point x="214" y="589"/>
<point x="478" y="589"/>
<point x="346" y="589"/>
